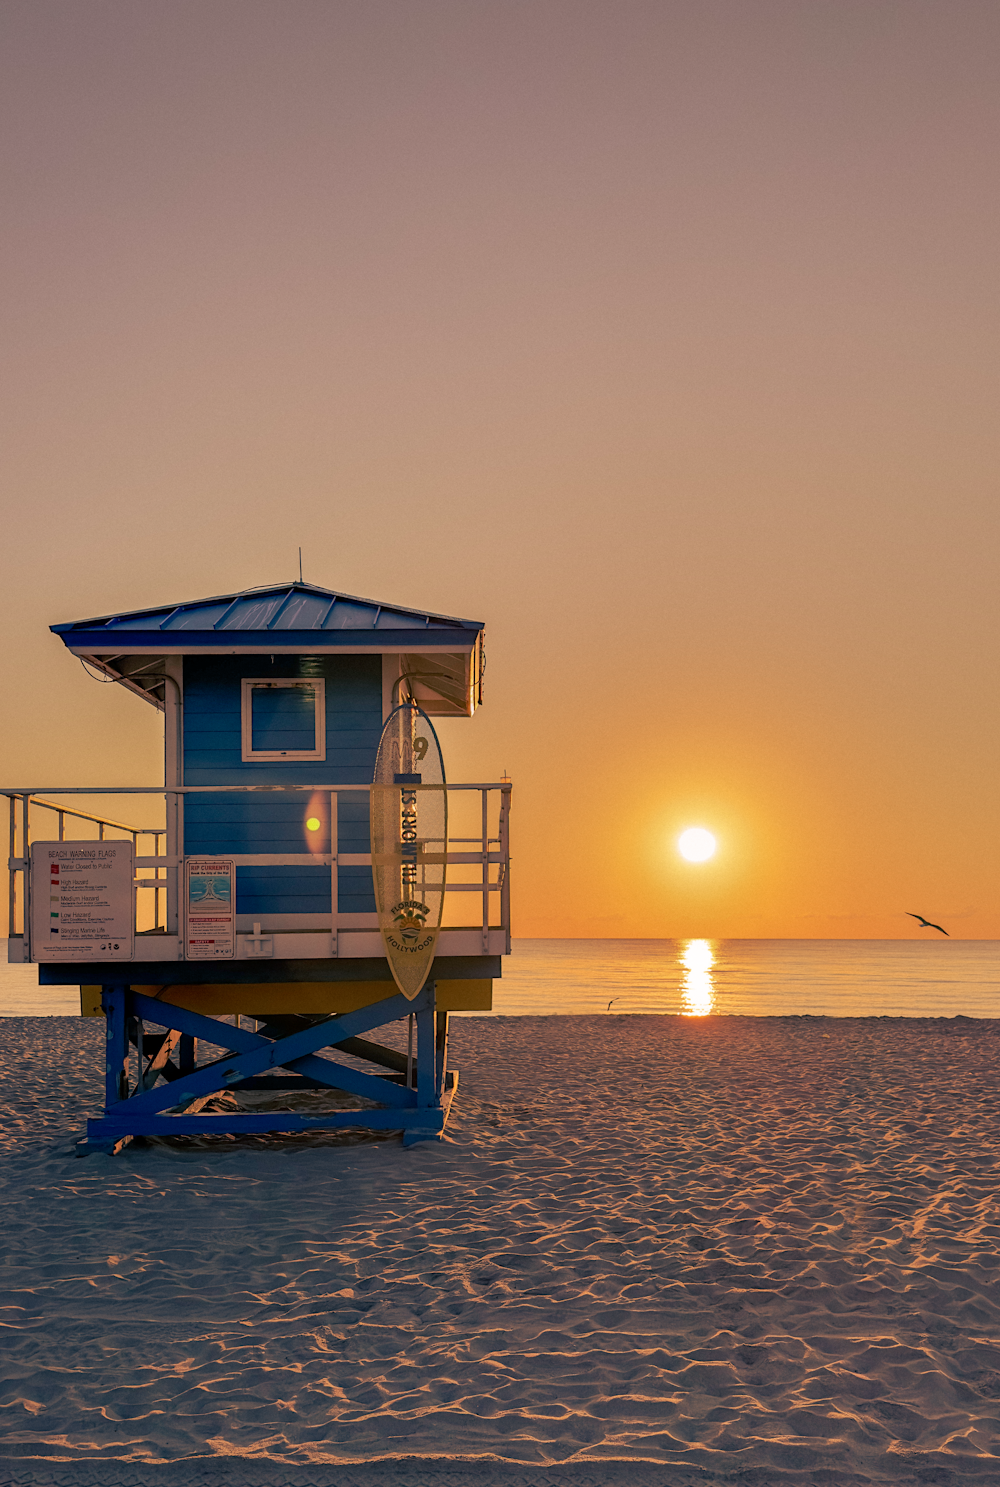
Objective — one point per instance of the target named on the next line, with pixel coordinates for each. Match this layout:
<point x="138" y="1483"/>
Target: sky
<point x="660" y="336"/>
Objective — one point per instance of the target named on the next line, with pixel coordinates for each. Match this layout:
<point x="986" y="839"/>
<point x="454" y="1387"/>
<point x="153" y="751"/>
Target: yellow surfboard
<point x="409" y="824"/>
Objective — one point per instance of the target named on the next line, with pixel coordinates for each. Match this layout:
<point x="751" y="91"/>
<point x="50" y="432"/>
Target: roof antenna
<point x="300" y="565"/>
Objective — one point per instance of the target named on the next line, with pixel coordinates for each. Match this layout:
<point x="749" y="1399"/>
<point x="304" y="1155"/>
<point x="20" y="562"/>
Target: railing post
<point x="175" y="918"/>
<point x="486" y="873"/>
<point x="334" y="877"/>
<point x="135" y="891"/>
<point x="12" y="872"/>
<point x="62" y="826"/>
<point x="26" y="877"/>
<point x="505" y="798"/>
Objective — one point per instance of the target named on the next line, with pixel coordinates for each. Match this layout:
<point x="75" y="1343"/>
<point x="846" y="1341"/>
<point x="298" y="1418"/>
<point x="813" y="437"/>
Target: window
<point x="284" y="719"/>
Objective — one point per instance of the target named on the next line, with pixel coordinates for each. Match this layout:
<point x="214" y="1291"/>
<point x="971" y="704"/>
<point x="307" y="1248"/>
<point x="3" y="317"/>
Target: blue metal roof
<point x="288" y="617"/>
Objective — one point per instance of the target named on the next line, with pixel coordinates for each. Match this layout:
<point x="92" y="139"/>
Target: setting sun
<point x="696" y="844"/>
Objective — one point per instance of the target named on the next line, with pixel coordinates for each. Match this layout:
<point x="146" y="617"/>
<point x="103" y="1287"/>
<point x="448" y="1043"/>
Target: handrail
<point x="492" y="849"/>
<point x="16" y="791"/>
<point x="65" y="810"/>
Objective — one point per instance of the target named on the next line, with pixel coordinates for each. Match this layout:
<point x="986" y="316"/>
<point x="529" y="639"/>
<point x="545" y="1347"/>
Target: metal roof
<point x="288" y="617"/>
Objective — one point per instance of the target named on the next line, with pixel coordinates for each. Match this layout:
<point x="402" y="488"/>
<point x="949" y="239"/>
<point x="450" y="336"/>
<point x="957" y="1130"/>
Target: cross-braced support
<point x="174" y="1107"/>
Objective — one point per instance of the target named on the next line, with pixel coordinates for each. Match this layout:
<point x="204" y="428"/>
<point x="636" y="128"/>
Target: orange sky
<point x="661" y="336"/>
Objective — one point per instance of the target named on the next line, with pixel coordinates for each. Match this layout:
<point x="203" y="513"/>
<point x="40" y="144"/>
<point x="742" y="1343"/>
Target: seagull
<point x="613" y="1000"/>
<point x="926" y="923"/>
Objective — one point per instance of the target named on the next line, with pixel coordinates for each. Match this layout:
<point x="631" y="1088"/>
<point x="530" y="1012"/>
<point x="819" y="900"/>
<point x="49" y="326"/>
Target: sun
<point x="696" y="844"/>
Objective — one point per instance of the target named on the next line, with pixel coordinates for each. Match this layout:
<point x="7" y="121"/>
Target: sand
<point x="654" y="1249"/>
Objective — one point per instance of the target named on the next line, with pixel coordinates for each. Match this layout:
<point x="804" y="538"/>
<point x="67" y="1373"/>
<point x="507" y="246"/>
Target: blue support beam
<point x="347" y="1025"/>
<point x="116" y="1066"/>
<point x="260" y="1054"/>
<point x="420" y="1112"/>
<point x="113" y="1127"/>
<point x="426" y="1052"/>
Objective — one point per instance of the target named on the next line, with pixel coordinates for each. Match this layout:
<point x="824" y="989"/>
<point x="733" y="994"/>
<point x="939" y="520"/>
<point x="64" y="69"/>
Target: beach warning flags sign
<point x="409" y="829"/>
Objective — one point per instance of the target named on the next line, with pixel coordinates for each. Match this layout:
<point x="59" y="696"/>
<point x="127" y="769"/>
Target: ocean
<point x="694" y="978"/>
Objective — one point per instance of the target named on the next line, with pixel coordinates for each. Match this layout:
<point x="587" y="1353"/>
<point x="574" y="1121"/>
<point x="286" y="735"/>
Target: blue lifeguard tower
<point x="252" y="923"/>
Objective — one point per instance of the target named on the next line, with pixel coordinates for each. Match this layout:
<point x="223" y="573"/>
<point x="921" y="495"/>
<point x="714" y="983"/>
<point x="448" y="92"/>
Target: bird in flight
<point x="612" y="1002"/>
<point x="926" y="923"/>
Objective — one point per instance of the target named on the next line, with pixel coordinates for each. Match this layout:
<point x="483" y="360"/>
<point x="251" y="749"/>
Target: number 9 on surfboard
<point x="409" y="830"/>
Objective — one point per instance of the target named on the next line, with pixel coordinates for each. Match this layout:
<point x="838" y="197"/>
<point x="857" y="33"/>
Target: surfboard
<point x="409" y="827"/>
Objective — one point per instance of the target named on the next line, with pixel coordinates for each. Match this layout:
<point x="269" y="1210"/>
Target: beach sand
<point x="653" y="1249"/>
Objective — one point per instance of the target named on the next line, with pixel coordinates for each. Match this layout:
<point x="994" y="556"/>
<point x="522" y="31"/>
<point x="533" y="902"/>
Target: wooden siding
<point x="219" y="824"/>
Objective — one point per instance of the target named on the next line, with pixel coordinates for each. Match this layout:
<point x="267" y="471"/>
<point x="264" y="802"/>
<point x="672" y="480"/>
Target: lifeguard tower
<point x="243" y="921"/>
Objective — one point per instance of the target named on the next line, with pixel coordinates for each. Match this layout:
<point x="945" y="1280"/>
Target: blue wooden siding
<point x="213" y="752"/>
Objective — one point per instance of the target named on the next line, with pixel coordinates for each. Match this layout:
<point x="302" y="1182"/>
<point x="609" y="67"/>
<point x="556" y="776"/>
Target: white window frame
<point x="263" y="756"/>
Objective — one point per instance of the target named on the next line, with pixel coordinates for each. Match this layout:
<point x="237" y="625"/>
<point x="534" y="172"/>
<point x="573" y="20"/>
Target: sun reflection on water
<point x="697" y="991"/>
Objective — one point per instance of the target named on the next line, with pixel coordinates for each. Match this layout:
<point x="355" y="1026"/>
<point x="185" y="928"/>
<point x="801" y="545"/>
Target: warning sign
<point x="210" y="899"/>
<point x="82" y="900"/>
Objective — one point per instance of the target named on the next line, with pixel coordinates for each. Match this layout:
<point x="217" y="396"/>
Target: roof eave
<point x="265" y="642"/>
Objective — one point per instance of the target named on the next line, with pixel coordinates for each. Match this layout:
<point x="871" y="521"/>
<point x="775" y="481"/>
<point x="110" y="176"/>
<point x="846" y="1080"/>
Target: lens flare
<point x="696" y="844"/>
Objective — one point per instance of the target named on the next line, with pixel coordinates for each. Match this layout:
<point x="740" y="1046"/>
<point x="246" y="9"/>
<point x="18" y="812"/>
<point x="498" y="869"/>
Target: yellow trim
<point x="90" y="1001"/>
<point x="309" y="996"/>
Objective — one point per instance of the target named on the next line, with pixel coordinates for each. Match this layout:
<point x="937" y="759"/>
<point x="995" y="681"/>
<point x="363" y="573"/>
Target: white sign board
<point x="210" y="901"/>
<point x="82" y="900"/>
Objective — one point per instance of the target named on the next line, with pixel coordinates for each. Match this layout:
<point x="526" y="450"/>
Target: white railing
<point x="483" y="858"/>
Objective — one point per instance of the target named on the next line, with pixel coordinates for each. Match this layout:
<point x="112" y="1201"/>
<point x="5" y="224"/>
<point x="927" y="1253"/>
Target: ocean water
<point x="694" y="978"/>
<point x="756" y="978"/>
